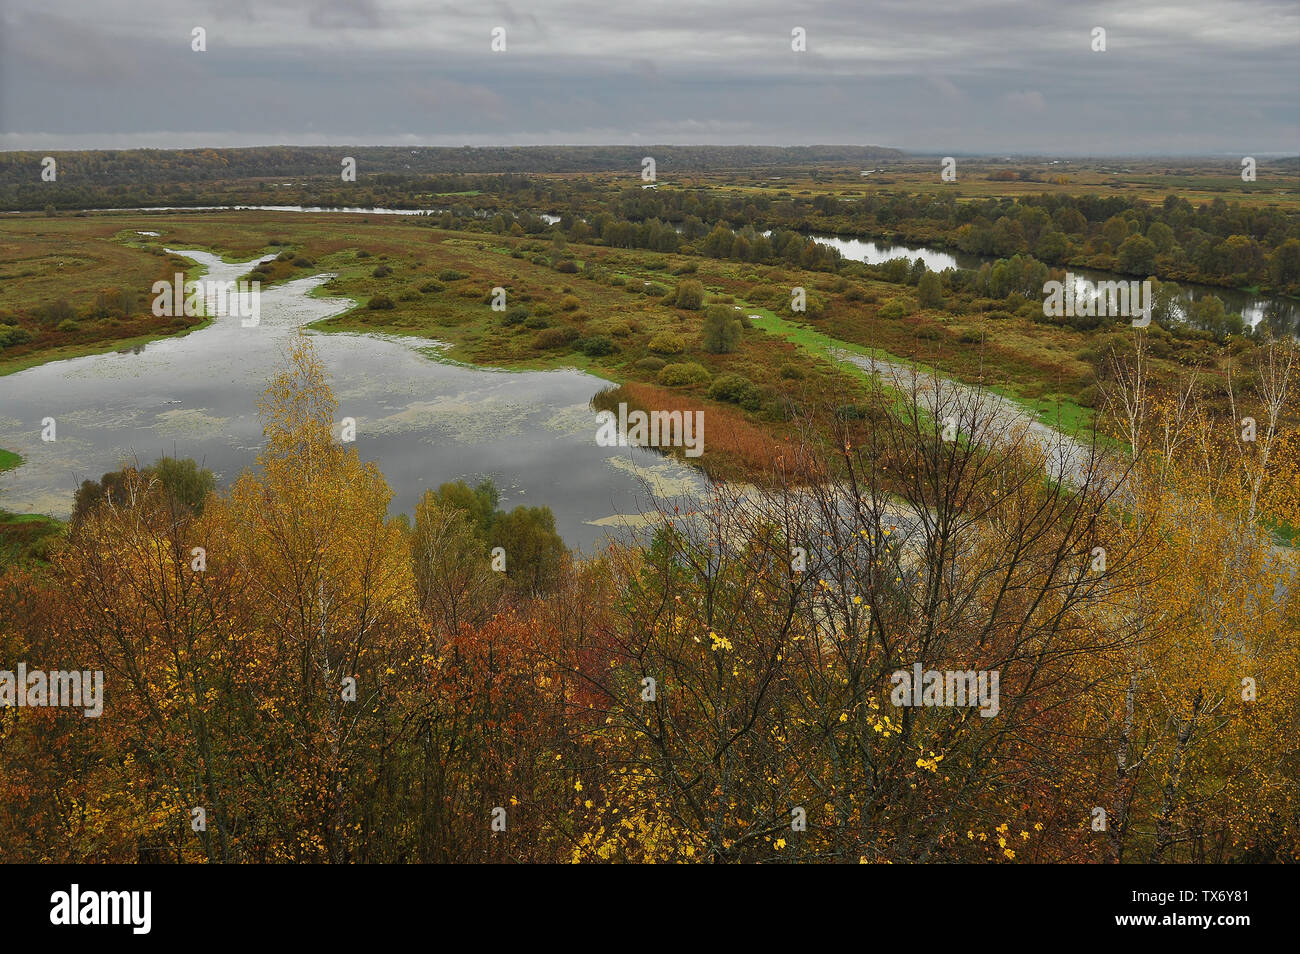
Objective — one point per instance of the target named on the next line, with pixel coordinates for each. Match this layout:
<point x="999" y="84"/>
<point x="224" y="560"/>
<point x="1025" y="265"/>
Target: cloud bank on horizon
<point x="1195" y="77"/>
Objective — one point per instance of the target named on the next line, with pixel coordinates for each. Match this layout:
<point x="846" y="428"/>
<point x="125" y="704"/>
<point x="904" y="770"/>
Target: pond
<point x="423" y="421"/>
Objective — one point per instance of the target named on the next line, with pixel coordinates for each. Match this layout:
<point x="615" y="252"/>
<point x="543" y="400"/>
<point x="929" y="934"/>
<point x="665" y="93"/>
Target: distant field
<point x="1277" y="182"/>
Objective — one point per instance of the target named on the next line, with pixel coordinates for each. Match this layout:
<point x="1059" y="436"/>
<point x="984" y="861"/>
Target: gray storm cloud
<point x="981" y="76"/>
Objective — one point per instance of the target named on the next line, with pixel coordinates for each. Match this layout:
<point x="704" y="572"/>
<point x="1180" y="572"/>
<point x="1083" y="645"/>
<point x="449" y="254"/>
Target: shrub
<point x="301" y="262"/>
<point x="894" y="309"/>
<point x="686" y="374"/>
<point x="651" y="363"/>
<point x="555" y="338"/>
<point x="734" y="388"/>
<point x="67" y="324"/>
<point x="380" y="303"/>
<point x="667" y="343"/>
<point x="430" y="287"/>
<point x="382" y="271"/>
<point x="568" y="266"/>
<point x="536" y="322"/>
<point x="792" y="371"/>
<point x="929" y="290"/>
<point x="721" y="331"/>
<point x="517" y="315"/>
<point x="361" y="254"/>
<point x="451" y="275"/>
<point x="11" y="336"/>
<point x="570" y="303"/>
<point x="596" y="346"/>
<point x="690" y="294"/>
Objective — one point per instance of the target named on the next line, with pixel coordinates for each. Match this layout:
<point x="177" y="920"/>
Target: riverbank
<point x="24" y="537"/>
<point x="80" y="288"/>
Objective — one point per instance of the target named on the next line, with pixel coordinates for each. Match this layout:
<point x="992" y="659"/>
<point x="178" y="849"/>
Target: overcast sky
<point x="955" y="76"/>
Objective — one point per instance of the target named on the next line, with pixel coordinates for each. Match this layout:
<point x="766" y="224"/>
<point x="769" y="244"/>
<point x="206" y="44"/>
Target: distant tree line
<point x="21" y="185"/>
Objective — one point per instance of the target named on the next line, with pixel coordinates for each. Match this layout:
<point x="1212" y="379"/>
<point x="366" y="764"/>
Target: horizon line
<point x="904" y="153"/>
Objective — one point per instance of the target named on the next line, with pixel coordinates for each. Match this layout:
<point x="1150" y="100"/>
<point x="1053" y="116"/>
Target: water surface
<point x="424" y="421"/>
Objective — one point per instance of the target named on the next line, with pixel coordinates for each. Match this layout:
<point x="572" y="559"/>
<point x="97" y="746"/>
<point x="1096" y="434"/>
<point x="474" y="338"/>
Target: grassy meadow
<point x="412" y="279"/>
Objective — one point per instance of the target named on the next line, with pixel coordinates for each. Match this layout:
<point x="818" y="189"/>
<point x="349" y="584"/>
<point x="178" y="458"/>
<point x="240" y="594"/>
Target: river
<point x="425" y="421"/>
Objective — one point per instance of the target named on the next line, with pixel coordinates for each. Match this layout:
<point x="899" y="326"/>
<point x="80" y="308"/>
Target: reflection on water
<point x="424" y="422"/>
<point x="875" y="253"/>
<point x="1278" y="315"/>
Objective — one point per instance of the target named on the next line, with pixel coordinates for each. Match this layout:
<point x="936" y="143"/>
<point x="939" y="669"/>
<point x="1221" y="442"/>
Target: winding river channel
<point x="425" y="421"/>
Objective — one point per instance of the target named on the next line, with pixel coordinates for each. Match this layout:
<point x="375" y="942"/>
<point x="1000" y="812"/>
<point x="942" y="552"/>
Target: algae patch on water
<point x="189" y="423"/>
